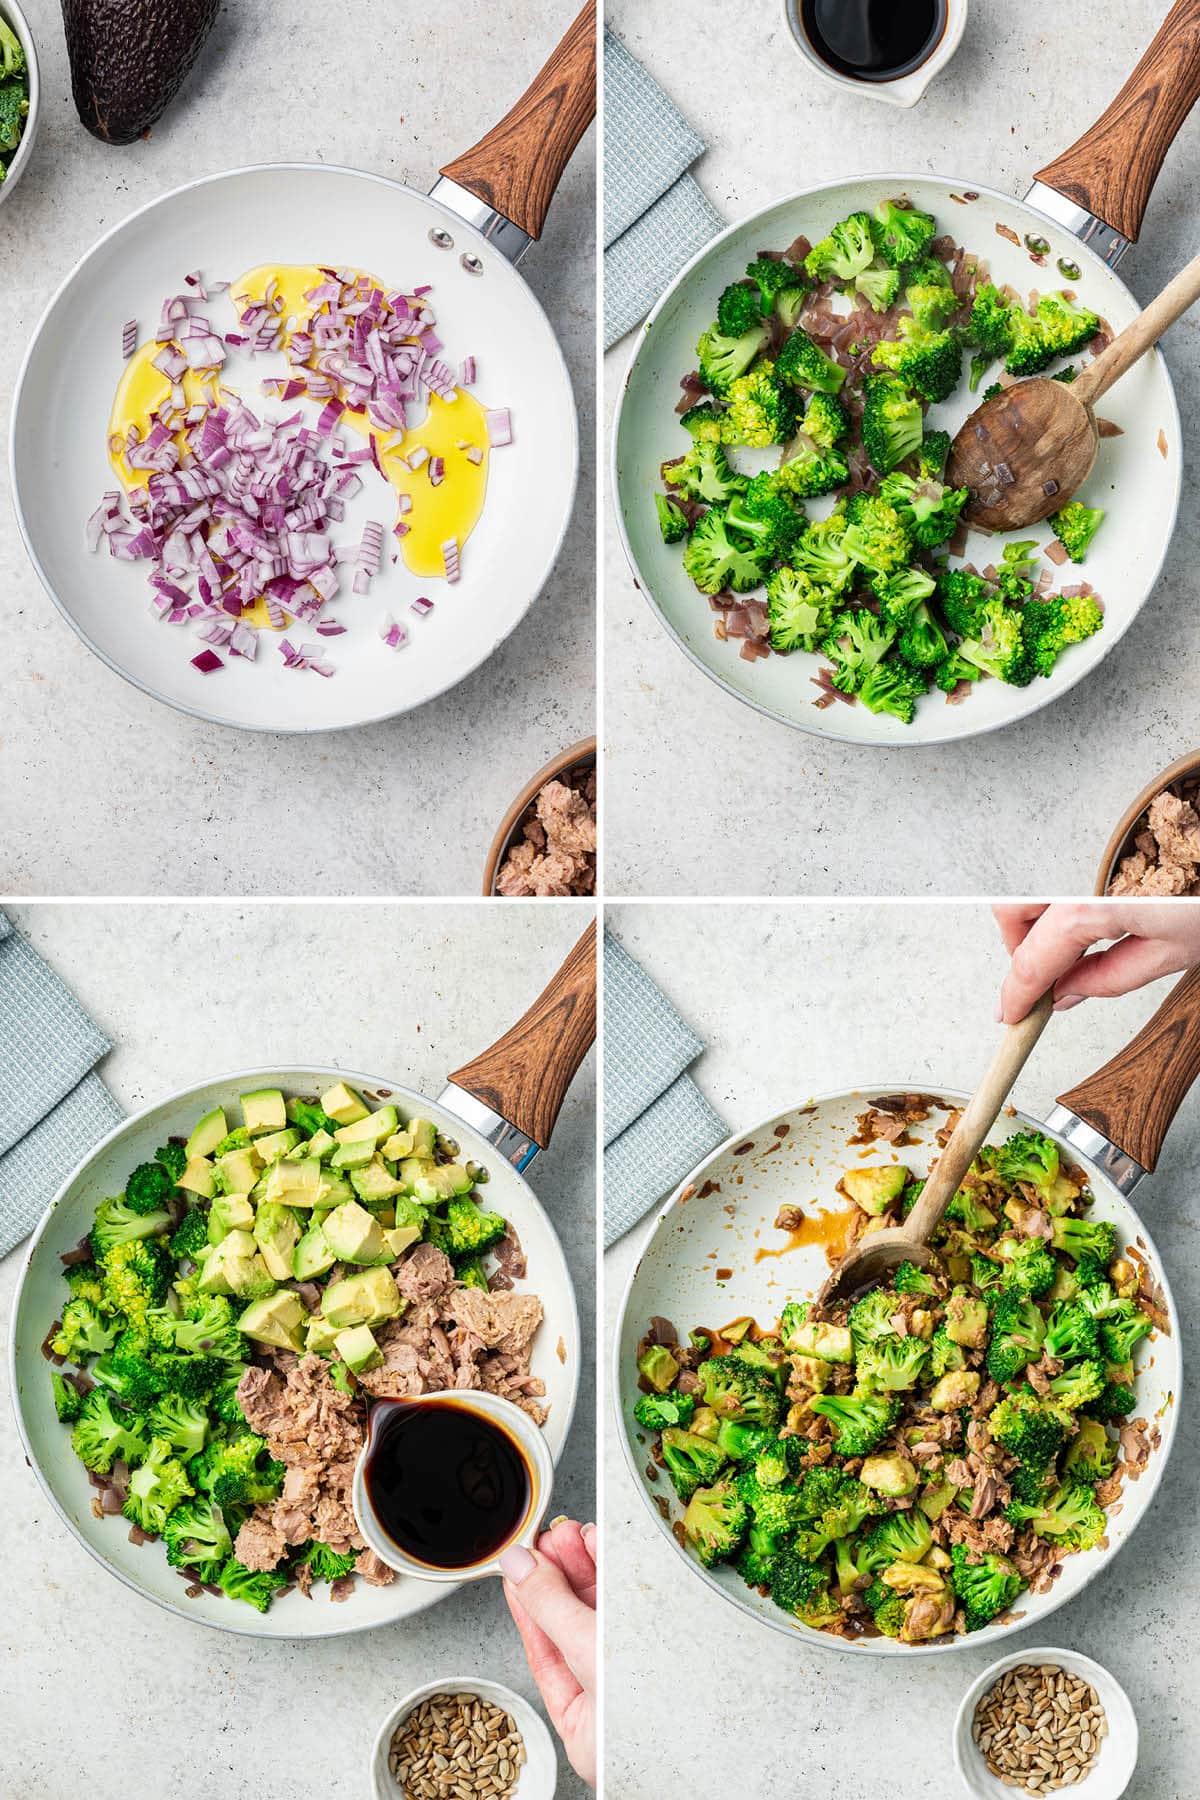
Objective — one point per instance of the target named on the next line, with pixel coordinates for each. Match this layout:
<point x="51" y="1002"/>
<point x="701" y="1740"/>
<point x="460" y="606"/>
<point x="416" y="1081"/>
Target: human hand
<point x="551" y="1595"/>
<point x="1049" y="946"/>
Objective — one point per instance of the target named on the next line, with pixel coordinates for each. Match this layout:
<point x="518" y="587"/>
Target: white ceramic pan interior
<point x="1136" y="477"/>
<point x="709" y="1259"/>
<point x="226" y="225"/>
<point x="39" y="1300"/>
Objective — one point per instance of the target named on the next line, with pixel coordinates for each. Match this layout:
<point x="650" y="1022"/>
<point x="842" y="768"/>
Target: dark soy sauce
<point x="873" y="40"/>
<point x="449" y="1486"/>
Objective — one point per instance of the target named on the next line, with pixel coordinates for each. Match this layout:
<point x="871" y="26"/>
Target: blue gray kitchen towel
<point x="655" y="216"/>
<point x="657" y="1123"/>
<point x="53" y="1105"/>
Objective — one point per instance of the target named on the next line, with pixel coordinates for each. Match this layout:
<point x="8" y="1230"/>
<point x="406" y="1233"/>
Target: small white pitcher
<point x="902" y="90"/>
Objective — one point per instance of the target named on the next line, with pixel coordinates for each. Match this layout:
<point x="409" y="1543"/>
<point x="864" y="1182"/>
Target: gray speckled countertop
<point x="703" y="795"/>
<point x="812" y="998"/>
<point x="99" y="1680"/>
<point x="145" y="800"/>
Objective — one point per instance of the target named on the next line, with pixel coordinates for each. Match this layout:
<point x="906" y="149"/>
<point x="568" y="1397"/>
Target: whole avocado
<point x="129" y="58"/>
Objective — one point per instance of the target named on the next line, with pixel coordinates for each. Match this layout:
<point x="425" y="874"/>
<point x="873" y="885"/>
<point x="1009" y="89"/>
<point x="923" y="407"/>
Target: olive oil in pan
<point x="448" y="1485"/>
<point x="873" y="40"/>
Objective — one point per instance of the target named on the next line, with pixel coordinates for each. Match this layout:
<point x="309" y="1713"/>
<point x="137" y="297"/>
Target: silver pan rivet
<point x="471" y="263"/>
<point x="441" y="238"/>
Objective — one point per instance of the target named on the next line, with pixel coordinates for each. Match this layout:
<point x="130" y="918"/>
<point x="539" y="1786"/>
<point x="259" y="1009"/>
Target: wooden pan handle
<point x="1111" y="169"/>
<point x="1096" y="377"/>
<point x="976" y="1120"/>
<point x="517" y="166"/>
<point x="525" y="1075"/>
<point x="1133" y="1099"/>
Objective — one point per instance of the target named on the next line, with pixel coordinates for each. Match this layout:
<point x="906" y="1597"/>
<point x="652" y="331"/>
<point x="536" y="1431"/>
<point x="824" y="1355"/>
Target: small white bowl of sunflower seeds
<point x="462" y="1739"/>
<point x="1044" y="1722"/>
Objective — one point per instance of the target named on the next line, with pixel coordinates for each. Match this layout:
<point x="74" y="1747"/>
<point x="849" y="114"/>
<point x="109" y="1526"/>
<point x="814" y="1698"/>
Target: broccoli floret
<point x="136" y="1279"/>
<point x="1091" y="1455"/>
<point x="741" y="1442"/>
<point x="984" y="1272"/>
<point x="803" y="364"/>
<point x="894" y="686"/>
<point x="928" y="361"/>
<point x="156" y="1487"/>
<point x="826" y="421"/>
<point x="1071" y="1331"/>
<point x="758" y="411"/>
<point x="715" y="562"/>
<point x="1075" y="527"/>
<point x="900" y="1537"/>
<point x="999" y="649"/>
<point x="690" y="1461"/>
<point x="821" y="554"/>
<point x="892" y="1363"/>
<point x="1031" y="1428"/>
<point x="1122" y="1331"/>
<point x="889" y="1614"/>
<point x="238" y="1473"/>
<point x="963" y="597"/>
<point x="84" y="1283"/>
<point x="954" y="670"/>
<point x="83" y="1332"/>
<point x="794" y="1582"/>
<point x="12" y="57"/>
<point x="891" y="422"/>
<point x="933" y="304"/>
<point x="850" y="1506"/>
<point x="1067" y="327"/>
<point x="127" y="1371"/>
<point x="1078" y="1385"/>
<point x="1050" y="625"/>
<point x="922" y="642"/>
<point x="472" y="1273"/>
<point x="197" y="1538"/>
<point x="715" y="1523"/>
<point x="68" y="1401"/>
<point x="704" y="473"/>
<point x="944" y="1354"/>
<point x="755" y="1562"/>
<point x="771" y="1466"/>
<point x="811" y="473"/>
<point x="473" y="1231"/>
<point x="911" y="1279"/>
<point x="190" y="1240"/>
<point x="1070" y="1516"/>
<point x="722" y="359"/>
<point x="658" y="1411"/>
<point x="876" y="536"/>
<point x="929" y="510"/>
<point x="1029" y="1268"/>
<point x="101" y="1434"/>
<point x="899" y="595"/>
<point x="173" y="1157"/>
<point x="1016" y="1336"/>
<point x="871" y="1317"/>
<point x="327" y="1564"/>
<point x="860" y="1420"/>
<point x="735" y="1390"/>
<point x="781" y="286"/>
<point x="703" y="421"/>
<point x="765" y="514"/>
<point x="148" y="1188"/>
<point x="14" y="109"/>
<point x="933" y="455"/>
<point x="671" y="522"/>
<point x="311" y="1117"/>
<point x="738" y="310"/>
<point x="1115" y="1402"/>
<point x="183" y="1424"/>
<point x="980" y="363"/>
<point x="983" y="1588"/>
<point x="857" y="642"/>
<point x="117" y="1223"/>
<point x="879" y="285"/>
<point x="902" y="234"/>
<point x="991" y="321"/>
<point x="798" y="613"/>
<point x="845" y="253"/>
<point x="257" y="1588"/>
<point x="1029" y="1156"/>
<point x="1079" y="1238"/>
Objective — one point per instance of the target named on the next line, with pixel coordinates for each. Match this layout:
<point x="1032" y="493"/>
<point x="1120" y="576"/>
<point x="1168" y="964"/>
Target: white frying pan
<point x="1088" y="206"/>
<point x="464" y="239"/>
<point x="712" y="1256"/>
<point x="500" y="1108"/>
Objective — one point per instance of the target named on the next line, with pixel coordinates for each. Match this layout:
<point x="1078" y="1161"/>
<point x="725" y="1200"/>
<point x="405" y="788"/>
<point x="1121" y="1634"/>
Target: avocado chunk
<point x="400" y="1238"/>
<point x="277" y="1233"/>
<point x="433" y="1182"/>
<point x="208" y="1134"/>
<point x="295" y="1183"/>
<point x="317" y="1147"/>
<point x="657" y="1366"/>
<point x="353" y="1234"/>
<point x="423" y="1133"/>
<point x="230" y="1212"/>
<point x="198" y="1178"/>
<point x="312" y="1255"/>
<point x="238" y="1170"/>
<point x="832" y="1343"/>
<point x="936" y="1499"/>
<point x="276" y="1144"/>
<point x="875" y="1189"/>
<point x="966" y="1320"/>
<point x="398" y="1146"/>
<point x="812" y="1372"/>
<point x="321" y="1336"/>
<point x="374" y="1127"/>
<point x="264" y="1110"/>
<point x="374" y="1183"/>
<point x="956" y="1389"/>
<point x="355" y="1155"/>
<point x="893" y="1475"/>
<point x="234" y="1267"/>
<point x="343" y="1105"/>
<point x="357" y="1348"/>
<point x="363" y="1299"/>
<point x="279" y="1319"/>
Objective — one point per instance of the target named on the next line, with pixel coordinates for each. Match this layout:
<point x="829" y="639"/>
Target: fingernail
<point x="558" y="1519"/>
<point x="1068" y="1001"/>
<point x="588" y="1535"/>
<point x="516" y="1563"/>
<point x="999" y="1012"/>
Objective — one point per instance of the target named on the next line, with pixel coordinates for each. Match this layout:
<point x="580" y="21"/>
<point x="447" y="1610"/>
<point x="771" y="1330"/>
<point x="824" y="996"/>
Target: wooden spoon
<point x="1044" y="432"/>
<point x="872" y="1259"/>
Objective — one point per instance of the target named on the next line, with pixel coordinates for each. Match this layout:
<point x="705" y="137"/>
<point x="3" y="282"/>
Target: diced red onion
<point x="129" y="337"/>
<point x="450" y="559"/>
<point x="422" y="606"/>
<point x="207" y="662"/>
<point x="499" y="426"/>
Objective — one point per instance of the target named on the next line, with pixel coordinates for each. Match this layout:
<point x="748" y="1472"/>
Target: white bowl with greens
<point x="254" y="1116"/>
<point x="20" y="107"/>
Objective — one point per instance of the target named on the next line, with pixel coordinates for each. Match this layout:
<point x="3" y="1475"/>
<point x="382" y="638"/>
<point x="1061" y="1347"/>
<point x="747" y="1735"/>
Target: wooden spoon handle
<point x="525" y="1075"/>
<point x="1133" y="1099"/>
<point x="977" y="1119"/>
<point x="1111" y="169"/>
<point x="1098" y="376"/>
<point x="517" y="166"/>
